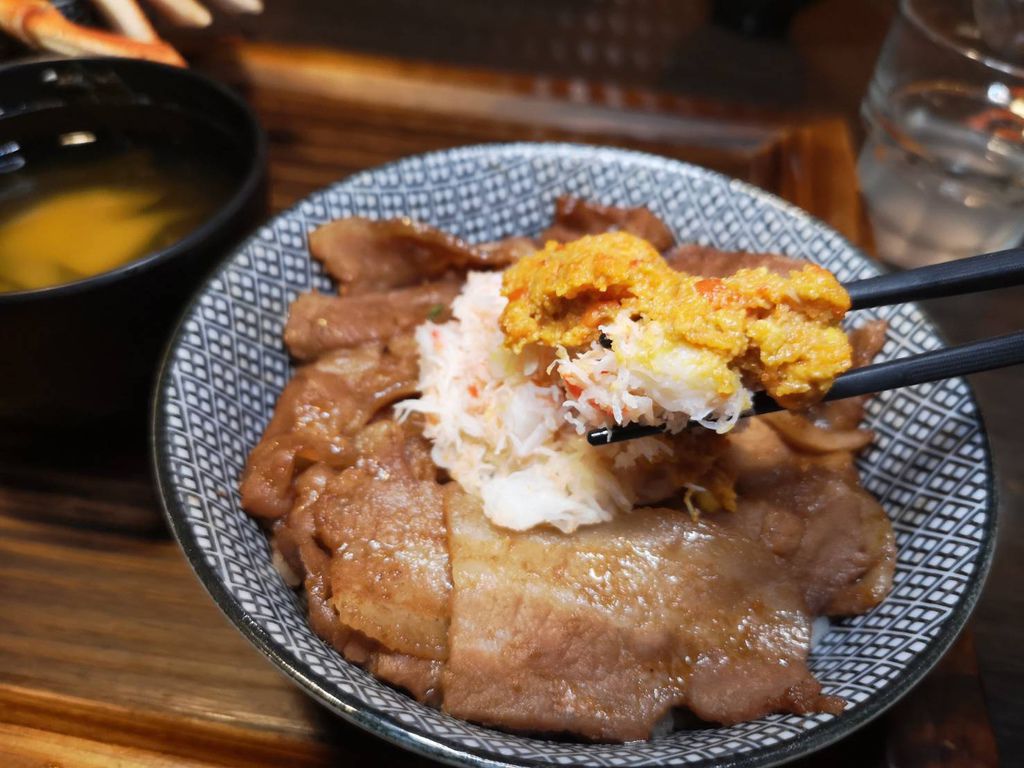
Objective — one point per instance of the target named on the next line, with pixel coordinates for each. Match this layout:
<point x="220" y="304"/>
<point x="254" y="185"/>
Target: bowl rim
<point x="248" y="184"/>
<point x="425" y="744"/>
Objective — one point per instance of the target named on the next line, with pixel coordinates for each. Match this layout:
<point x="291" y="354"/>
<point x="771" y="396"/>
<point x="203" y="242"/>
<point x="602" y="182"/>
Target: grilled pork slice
<point x="575" y="218"/>
<point x="366" y="256"/>
<point x="319" y="323"/>
<point x="602" y="632"/>
<point x="383" y="522"/>
<point x="369" y="544"/>
<point x="706" y="261"/>
<point x="317" y="415"/>
<point x="809" y="509"/>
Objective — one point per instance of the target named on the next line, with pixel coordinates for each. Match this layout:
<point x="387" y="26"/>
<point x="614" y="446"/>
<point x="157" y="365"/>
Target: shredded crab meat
<point x="624" y="383"/>
<point x="503" y="428"/>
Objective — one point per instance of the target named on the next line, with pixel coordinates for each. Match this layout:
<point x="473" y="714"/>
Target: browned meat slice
<point x="806" y="436"/>
<point x="600" y="633"/>
<point x="420" y="677"/>
<point x="692" y="457"/>
<point x="508" y="251"/>
<point x="867" y="341"/>
<point x="811" y="511"/>
<point x="373" y="556"/>
<point x="294" y="538"/>
<point x="575" y="218"/>
<point x="294" y="534"/>
<point x="706" y="261"/>
<point x="383" y="522"/>
<point x="317" y="414"/>
<point x="318" y="323"/>
<point x="366" y="256"/>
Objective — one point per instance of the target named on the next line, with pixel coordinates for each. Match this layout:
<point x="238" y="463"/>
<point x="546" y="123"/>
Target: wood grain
<point x="33" y="748"/>
<point x="329" y="114"/>
<point x="110" y="652"/>
<point x="944" y="724"/>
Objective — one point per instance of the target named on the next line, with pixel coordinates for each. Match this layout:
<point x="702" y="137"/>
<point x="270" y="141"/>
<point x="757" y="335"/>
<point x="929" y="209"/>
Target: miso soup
<point x="92" y="202"/>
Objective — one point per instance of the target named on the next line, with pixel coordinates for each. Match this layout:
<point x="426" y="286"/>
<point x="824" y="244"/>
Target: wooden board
<point x="110" y="652"/>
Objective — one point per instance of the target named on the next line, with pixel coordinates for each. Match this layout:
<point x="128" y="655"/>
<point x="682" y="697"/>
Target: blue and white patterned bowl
<point x="226" y="365"/>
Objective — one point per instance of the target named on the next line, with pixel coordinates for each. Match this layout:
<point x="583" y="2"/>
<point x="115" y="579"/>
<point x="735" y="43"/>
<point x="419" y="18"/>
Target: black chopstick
<point x="975" y="357"/>
<point x="986" y="272"/>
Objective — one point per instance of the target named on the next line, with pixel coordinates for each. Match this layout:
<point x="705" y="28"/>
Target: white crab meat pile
<point x="639" y="377"/>
<point x="506" y="429"/>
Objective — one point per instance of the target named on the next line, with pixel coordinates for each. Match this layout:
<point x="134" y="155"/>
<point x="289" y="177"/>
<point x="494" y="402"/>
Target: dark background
<point x="806" y="55"/>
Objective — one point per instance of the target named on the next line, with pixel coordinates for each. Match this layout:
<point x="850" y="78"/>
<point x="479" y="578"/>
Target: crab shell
<point x="39" y="25"/>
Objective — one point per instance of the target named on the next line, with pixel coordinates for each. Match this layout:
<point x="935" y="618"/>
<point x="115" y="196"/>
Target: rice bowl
<point x="350" y="691"/>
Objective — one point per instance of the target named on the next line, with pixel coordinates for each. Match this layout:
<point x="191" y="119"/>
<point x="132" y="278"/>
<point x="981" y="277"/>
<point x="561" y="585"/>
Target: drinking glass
<point x="942" y="167"/>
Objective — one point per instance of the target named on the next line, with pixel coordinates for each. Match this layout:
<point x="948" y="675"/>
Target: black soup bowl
<point x="82" y="355"/>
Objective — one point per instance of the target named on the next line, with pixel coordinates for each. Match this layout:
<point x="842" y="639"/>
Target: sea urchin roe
<point x="779" y="333"/>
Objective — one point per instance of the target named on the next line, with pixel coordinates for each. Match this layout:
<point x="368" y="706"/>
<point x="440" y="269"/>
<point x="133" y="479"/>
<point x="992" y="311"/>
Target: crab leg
<point x="241" y="6"/>
<point x="183" y="13"/>
<point x="40" y="25"/>
<point x="125" y="17"/>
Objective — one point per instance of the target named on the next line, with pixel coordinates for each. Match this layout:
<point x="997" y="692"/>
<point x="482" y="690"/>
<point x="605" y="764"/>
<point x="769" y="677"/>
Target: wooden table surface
<point x="111" y="653"/>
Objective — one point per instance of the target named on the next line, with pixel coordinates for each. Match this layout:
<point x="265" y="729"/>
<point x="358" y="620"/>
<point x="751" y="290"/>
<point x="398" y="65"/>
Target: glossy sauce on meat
<point x="364" y="255"/>
<point x="319" y="412"/>
<point x="318" y="323"/>
<point x="602" y="632"/>
<point x="575" y="218"/>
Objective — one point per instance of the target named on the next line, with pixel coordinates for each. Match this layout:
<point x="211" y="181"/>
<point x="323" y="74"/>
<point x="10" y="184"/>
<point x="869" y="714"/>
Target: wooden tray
<point x="110" y="652"/>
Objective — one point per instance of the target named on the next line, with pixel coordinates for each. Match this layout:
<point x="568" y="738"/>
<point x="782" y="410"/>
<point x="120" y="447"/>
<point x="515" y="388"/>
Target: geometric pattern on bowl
<point x="929" y="465"/>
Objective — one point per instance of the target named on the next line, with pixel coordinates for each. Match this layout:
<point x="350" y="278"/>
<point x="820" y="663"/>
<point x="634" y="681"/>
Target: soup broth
<point x="95" y="203"/>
